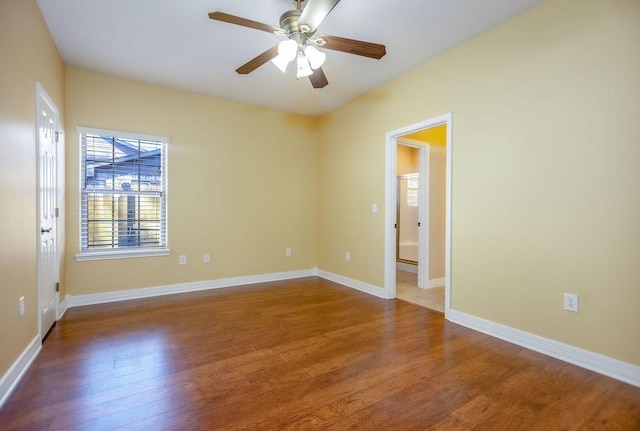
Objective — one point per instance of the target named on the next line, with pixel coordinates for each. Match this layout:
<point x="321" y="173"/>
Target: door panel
<point x="47" y="120"/>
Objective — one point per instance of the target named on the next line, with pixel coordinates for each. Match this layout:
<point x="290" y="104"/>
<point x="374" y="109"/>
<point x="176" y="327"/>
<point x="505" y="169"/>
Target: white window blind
<point x="123" y="193"/>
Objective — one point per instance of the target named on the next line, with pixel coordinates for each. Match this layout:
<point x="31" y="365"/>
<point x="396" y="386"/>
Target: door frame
<point x="392" y="138"/>
<point x="43" y="98"/>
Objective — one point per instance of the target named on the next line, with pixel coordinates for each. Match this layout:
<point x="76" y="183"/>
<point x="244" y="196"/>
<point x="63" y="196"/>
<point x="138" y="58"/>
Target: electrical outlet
<point x="287" y="251"/>
<point x="21" y="306"/>
<point x="571" y="302"/>
<point x="206" y="258"/>
<point x="183" y="259"/>
<point x="347" y="256"/>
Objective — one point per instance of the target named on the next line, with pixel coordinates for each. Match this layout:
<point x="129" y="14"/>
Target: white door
<point x="47" y="122"/>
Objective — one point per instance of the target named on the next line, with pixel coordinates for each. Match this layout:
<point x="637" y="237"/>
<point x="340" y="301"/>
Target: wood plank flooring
<point x="304" y="354"/>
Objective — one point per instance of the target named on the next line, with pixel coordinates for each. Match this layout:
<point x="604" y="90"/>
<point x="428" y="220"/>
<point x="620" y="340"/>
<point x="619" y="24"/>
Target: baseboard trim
<point x="354" y="284"/>
<point x="601" y="364"/>
<point x="407" y="267"/>
<point x="17" y="370"/>
<point x="146" y="292"/>
<point x="436" y="282"/>
<point x="62" y="307"/>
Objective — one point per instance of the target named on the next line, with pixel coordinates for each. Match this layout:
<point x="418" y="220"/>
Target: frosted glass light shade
<point x="287" y="50"/>
<point x="316" y="58"/>
<point x="304" y="69"/>
<point x="281" y="63"/>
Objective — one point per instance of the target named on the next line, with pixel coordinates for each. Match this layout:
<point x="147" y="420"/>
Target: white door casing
<point x="47" y="203"/>
<point x="423" y="208"/>
<point x="390" y="204"/>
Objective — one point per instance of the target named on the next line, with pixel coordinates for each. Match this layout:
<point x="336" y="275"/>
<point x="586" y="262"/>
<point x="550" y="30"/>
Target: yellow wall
<point x="242" y="183"/>
<point x="408" y="160"/>
<point x="350" y="179"/>
<point x="546" y="158"/>
<point x="27" y="54"/>
<point x="545" y="169"/>
<point x="437" y="207"/>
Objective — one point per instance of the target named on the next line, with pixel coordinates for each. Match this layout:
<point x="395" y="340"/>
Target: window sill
<point x="128" y="254"/>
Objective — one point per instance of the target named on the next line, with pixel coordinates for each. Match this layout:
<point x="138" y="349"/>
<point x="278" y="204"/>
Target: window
<point x="413" y="186"/>
<point x="123" y="195"/>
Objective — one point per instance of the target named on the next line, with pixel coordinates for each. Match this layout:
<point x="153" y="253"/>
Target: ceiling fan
<point x="299" y="26"/>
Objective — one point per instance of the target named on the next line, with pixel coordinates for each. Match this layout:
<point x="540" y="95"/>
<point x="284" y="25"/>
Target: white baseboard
<point x="407" y="267"/>
<point x="354" y="284"/>
<point x="436" y="282"/>
<point x="365" y="287"/>
<point x="601" y="364"/>
<point x="146" y="292"/>
<point x="62" y="307"/>
<point x="17" y="370"/>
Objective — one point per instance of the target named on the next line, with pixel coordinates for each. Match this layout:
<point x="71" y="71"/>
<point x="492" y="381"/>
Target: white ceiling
<point x="174" y="43"/>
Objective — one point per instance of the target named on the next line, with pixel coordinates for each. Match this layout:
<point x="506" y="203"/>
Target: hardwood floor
<point x="302" y="354"/>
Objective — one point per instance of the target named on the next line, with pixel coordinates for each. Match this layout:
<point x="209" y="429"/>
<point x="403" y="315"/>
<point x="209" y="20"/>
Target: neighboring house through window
<point x="123" y="195"/>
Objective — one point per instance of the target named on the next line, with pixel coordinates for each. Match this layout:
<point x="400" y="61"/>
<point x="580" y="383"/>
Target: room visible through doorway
<point x="418" y="187"/>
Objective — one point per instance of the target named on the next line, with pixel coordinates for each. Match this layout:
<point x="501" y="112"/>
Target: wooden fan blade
<point x="318" y="78"/>
<point x="351" y="46"/>
<point x="258" y="61"/>
<point x="315" y="12"/>
<point x="232" y="19"/>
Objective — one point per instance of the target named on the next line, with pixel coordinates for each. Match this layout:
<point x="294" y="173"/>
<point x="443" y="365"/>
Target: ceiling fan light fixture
<point x="299" y="27"/>
<point x="287" y="50"/>
<point x="316" y="58"/>
<point x="304" y="68"/>
<point x="281" y="63"/>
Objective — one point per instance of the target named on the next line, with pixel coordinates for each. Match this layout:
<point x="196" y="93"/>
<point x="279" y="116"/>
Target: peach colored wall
<point x="437" y="210"/>
<point x="545" y="187"/>
<point x="242" y="183"/>
<point x="408" y="160"/>
<point x="28" y="55"/>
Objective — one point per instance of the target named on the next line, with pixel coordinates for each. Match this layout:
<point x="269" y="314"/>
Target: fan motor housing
<point x="289" y="22"/>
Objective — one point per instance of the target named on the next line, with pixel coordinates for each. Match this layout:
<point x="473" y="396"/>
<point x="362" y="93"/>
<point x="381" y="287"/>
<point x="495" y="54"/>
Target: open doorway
<point x="418" y="196"/>
<point x="420" y="217"/>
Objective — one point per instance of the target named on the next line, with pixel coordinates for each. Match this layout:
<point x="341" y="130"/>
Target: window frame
<point x="86" y="254"/>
